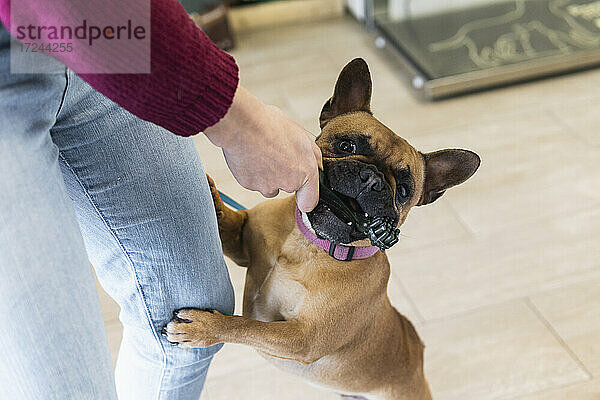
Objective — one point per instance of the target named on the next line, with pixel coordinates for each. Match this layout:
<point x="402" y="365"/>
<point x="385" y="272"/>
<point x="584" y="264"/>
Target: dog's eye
<point x="346" y="146"/>
<point x="403" y="190"/>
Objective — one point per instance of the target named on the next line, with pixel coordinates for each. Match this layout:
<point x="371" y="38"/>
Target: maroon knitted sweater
<point x="191" y="84"/>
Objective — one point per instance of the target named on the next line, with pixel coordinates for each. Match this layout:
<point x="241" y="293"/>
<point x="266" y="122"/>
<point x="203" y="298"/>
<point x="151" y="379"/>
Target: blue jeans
<point x="83" y="180"/>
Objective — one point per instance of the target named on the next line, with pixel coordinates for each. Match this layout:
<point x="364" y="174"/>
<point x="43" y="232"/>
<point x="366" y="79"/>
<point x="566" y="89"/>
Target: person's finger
<point x="269" y="193"/>
<point x="288" y="189"/>
<point x="307" y="196"/>
<point x="318" y="155"/>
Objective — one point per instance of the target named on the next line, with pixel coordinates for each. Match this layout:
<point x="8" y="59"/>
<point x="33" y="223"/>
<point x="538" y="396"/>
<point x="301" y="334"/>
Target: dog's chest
<point x="278" y="297"/>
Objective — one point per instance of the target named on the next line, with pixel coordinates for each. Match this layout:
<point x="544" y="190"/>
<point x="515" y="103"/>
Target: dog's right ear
<point x="352" y="92"/>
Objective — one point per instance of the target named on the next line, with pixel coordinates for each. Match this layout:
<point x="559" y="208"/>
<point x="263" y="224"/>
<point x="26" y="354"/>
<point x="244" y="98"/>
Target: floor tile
<point x="288" y="44"/>
<point x="110" y="309"/>
<point x="401" y="302"/>
<point x="588" y="390"/>
<point x="416" y="116"/>
<point x="114" y="333"/>
<point x="266" y="383"/>
<point x="497" y="352"/>
<point x="429" y="226"/>
<point x="233" y="359"/>
<point x="530" y="169"/>
<point x="455" y="277"/>
<point x="238" y="279"/>
<point x="574" y="313"/>
<point x="581" y="117"/>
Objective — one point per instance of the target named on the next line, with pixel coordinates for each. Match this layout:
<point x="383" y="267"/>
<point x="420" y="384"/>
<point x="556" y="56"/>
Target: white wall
<point x="397" y="8"/>
<point x="357" y="8"/>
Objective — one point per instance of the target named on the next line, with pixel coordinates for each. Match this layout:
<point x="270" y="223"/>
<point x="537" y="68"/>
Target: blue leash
<point x="231" y="202"/>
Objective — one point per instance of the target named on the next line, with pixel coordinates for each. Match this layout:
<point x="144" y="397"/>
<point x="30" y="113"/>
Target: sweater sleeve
<point x="191" y="83"/>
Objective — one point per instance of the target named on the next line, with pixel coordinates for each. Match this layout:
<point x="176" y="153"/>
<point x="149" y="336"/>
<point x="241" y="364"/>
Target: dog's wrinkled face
<point x="376" y="171"/>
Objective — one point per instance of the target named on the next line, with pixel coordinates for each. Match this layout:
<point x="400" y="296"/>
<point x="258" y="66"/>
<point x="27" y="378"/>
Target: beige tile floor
<point x="501" y="275"/>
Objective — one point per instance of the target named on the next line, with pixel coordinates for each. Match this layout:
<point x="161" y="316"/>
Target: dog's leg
<point x="193" y="328"/>
<point x="231" y="223"/>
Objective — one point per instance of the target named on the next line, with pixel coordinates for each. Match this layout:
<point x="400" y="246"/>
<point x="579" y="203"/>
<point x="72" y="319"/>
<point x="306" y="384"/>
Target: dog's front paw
<point x="193" y="328"/>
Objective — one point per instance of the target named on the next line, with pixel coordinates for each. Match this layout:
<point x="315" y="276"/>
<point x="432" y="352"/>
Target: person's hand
<point x="267" y="151"/>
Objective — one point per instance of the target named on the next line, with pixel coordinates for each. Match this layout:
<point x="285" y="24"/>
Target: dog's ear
<point x="444" y="169"/>
<point x="352" y="92"/>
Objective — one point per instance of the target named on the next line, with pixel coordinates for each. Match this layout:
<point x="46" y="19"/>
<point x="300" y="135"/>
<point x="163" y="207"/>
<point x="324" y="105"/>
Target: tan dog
<point x="327" y="320"/>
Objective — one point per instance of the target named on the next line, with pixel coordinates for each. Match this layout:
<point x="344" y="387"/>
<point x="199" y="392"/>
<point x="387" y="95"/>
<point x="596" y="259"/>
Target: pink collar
<point x="338" y="251"/>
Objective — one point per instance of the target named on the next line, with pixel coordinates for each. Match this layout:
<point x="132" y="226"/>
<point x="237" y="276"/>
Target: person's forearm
<point x="240" y="117"/>
<point x="191" y="85"/>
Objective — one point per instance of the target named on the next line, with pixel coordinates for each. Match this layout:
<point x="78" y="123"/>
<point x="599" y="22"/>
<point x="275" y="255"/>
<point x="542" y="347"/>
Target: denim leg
<point x="52" y="339"/>
<point x="150" y="229"/>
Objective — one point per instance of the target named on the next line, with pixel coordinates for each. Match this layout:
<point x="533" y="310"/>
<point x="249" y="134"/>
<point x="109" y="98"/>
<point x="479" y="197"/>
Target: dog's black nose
<point x="371" y="178"/>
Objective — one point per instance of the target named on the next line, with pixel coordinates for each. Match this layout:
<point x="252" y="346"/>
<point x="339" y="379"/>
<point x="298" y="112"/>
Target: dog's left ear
<point x="444" y="169"/>
<point x="352" y="92"/>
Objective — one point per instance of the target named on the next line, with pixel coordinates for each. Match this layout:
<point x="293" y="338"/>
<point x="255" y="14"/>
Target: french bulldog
<point x="319" y="313"/>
